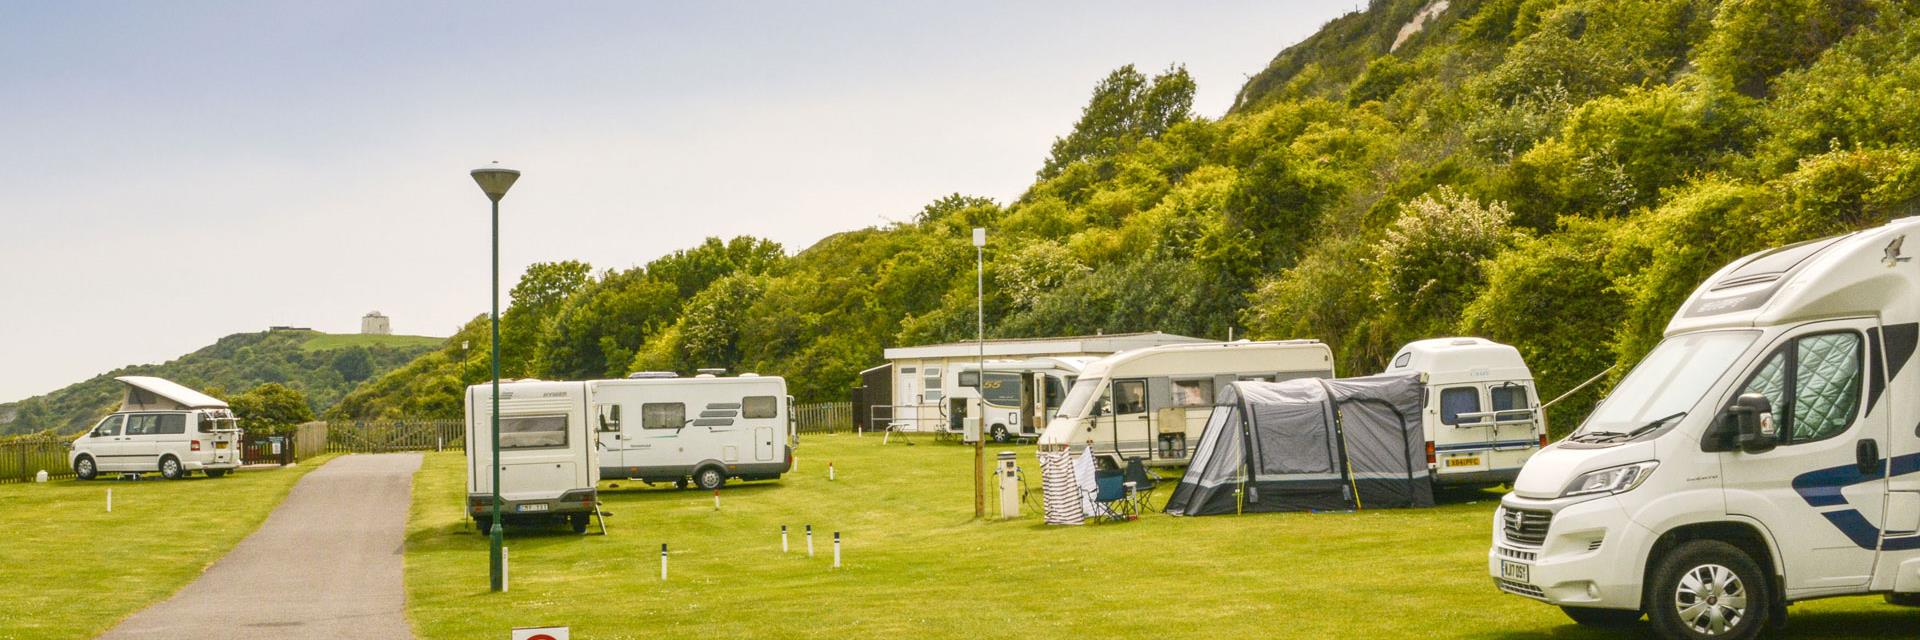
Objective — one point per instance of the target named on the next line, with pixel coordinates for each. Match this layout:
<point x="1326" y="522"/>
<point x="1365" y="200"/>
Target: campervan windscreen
<point x="1080" y="397"/>
<point x="1666" y="383"/>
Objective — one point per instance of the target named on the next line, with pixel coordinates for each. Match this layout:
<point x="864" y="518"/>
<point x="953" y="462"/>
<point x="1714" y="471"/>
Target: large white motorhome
<point x="664" y="428"/>
<point x="1143" y="403"/>
<point x="1482" y="415"/>
<point x="549" y="464"/>
<point x="1763" y="453"/>
<point x="161" y="427"/>
<point x="1018" y="395"/>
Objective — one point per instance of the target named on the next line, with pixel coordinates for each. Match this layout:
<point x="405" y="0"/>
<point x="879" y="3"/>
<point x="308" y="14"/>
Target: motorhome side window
<point x="755" y="407"/>
<point x="1002" y="389"/>
<point x="609" y="417"/>
<point x="110" y="427"/>
<point x="931" y="385"/>
<point x="1193" y="393"/>
<point x="1813" y="385"/>
<point x="533" y="432"/>
<point x="1456" y="401"/>
<point x="1130" y="397"/>
<point x="663" y="415"/>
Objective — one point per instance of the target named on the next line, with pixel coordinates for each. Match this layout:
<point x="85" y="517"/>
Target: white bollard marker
<point x="663" y="562"/>
<point x="836" y="549"/>
<point x="109" y="501"/>
<point x="809" y="541"/>
<point x="503" y="570"/>
<point x="783" y="538"/>
<point x="829" y="471"/>
<point x="716" y="499"/>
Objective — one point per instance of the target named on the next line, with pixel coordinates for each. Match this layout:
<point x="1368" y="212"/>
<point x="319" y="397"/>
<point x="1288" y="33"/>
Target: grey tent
<point x="1309" y="444"/>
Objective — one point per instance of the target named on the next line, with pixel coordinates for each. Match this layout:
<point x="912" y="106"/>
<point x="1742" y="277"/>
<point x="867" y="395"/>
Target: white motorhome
<point x="1143" y="403"/>
<point x="1482" y="415"/>
<point x="1763" y="453"/>
<point x="664" y="428"/>
<point x="1018" y="395"/>
<point x="549" y="464"/>
<point x="162" y="427"/>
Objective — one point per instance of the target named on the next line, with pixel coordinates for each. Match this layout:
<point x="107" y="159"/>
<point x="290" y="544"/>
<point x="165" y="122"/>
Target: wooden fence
<point x="823" y="417"/>
<point x="22" y="459"/>
<point x="379" y="436"/>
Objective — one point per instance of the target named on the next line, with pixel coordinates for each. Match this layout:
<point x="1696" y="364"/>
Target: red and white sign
<point x="541" y="633"/>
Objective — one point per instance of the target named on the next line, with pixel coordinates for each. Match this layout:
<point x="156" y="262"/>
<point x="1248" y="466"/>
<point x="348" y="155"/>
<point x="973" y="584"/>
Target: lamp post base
<point x="495" y="538"/>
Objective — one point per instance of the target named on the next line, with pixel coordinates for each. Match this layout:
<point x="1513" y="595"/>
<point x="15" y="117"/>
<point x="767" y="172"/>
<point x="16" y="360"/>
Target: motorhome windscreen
<point x="1080" y="397"/>
<point x="532" y="432"/>
<point x="1669" y="381"/>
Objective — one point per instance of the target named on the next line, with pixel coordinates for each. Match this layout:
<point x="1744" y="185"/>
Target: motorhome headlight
<point x="1610" y="480"/>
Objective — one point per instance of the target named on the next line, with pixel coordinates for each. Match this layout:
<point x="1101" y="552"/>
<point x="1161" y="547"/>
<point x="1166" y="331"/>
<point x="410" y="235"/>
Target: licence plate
<point x="1463" y="461"/>
<point x="532" y="507"/>
<point x="1515" y="571"/>
<point x="220" y="445"/>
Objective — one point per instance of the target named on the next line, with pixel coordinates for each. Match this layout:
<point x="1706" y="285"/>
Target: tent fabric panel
<point x="1290" y="427"/>
<point x="1218" y="462"/>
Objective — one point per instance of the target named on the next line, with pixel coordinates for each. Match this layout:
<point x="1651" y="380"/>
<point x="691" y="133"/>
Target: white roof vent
<point x="711" y="371"/>
<point x="652" y="375"/>
<point x="749" y="375"/>
<point x="706" y="375"/>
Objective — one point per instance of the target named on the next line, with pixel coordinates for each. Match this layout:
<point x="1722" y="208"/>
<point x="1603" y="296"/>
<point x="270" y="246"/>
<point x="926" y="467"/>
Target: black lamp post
<point x="495" y="181"/>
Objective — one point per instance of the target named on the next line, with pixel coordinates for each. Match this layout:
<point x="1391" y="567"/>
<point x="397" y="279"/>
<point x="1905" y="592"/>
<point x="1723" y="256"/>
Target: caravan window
<point x="663" y="415"/>
<point x="533" y="432"/>
<point x="609" y="417"/>
<point x="1458" y="400"/>
<point x="931" y="385"/>
<point x="1002" y="389"/>
<point x="757" y="407"/>
<point x="1193" y="393"/>
<point x="1129" y="397"/>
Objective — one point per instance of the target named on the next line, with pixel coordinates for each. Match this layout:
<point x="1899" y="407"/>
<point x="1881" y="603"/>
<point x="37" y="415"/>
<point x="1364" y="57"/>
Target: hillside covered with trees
<point x="1556" y="174"/>
<point x="261" y="374"/>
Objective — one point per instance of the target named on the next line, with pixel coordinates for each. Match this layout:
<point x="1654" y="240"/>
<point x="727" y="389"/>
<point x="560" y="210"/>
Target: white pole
<point x="809" y="541"/>
<point x="829" y="471"/>
<point x="783" y="538"/>
<point x="503" y="570"/>
<point x="109" y="501"/>
<point x="716" y="499"/>
<point x="836" y="549"/>
<point x="663" y="562"/>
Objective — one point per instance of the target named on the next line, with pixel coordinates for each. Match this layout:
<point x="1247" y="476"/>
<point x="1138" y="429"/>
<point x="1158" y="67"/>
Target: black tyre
<point x="680" y="483"/>
<point x="1602" y="618"/>
<point x="170" y="468"/>
<point x="578" y="521"/>
<point x="215" y="473"/>
<point x="1904" y="599"/>
<point x="1000" y="433"/>
<point x="84" y="469"/>
<point x="1709" y="589"/>
<point x="709" y="478"/>
<point x="482" y="524"/>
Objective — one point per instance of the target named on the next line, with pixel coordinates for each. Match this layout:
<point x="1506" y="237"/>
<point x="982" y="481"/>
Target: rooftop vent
<point x="652" y="375"/>
<point x="712" y="371"/>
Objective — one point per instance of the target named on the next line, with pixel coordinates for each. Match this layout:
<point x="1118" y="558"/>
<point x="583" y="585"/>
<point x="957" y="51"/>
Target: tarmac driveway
<point x="326" y="564"/>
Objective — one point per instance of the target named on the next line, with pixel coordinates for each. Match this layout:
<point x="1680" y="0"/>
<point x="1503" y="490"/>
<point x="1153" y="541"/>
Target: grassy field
<point x="69" y="569"/>
<point x="917" y="565"/>
<point x="324" y="341"/>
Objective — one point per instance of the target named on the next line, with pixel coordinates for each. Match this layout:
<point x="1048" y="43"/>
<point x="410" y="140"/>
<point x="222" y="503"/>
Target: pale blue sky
<point x="180" y="171"/>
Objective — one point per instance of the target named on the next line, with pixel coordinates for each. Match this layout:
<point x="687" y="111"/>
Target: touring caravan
<point x="1482" y="414"/>
<point x="162" y="427"/>
<point x="1018" y="395"/>
<point x="665" y="428"/>
<point x="549" y="465"/>
<point x="1763" y="453"/>
<point x="1144" y="403"/>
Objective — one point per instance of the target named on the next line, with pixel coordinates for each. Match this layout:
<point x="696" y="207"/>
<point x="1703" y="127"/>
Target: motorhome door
<point x="1132" y="419"/>
<point x="606" y="424"/>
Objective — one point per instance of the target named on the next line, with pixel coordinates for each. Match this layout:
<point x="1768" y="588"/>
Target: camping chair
<point x="901" y="427"/>
<point x="1143" y="482"/>
<point x="1117" y="499"/>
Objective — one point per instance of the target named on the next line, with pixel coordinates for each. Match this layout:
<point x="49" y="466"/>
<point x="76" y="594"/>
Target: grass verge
<point x="917" y="565"/>
<point x="70" y="569"/>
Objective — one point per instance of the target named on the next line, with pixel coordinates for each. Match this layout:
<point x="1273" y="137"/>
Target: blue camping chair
<point x="1117" y="498"/>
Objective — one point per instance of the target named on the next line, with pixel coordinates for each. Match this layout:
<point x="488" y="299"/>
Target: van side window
<point x="1193" y="393"/>
<point x="203" y="423"/>
<point x="663" y="415"/>
<point x="1129" y="396"/>
<point x="109" y="427"/>
<point x="532" y="432"/>
<point x="1403" y="360"/>
<point x="757" y="407"/>
<point x="142" y="425"/>
<point x="1509" y="397"/>
<point x="1813" y="384"/>
<point x="1456" y="401"/>
<point x="172" y="424"/>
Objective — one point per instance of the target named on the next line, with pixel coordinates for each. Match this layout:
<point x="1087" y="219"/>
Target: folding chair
<point x="1117" y="499"/>
<point x="902" y="428"/>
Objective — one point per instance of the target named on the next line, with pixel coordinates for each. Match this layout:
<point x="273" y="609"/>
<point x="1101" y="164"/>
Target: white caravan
<point x="549" y="465"/>
<point x="662" y="428"/>
<point x="1482" y="415"/>
<point x="1018" y="395"/>
<point x="161" y="426"/>
<point x="1143" y="403"/>
<point x="1763" y="453"/>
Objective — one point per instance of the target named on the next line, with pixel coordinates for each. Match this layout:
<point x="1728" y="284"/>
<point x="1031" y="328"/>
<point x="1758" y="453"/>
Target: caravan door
<point x="1132" y="419"/>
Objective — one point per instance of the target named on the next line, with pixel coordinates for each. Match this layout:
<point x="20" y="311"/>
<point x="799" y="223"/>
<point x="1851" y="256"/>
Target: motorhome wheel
<point x="170" y="468"/>
<point x="1602" y="618"/>
<point x="1000" y="432"/>
<point x="480" y="523"/>
<point x="578" y="521"/>
<point x="215" y="473"/>
<point x="680" y="483"/>
<point x="1904" y="599"/>
<point x="710" y="478"/>
<point x="84" y="469"/>
<point x="1709" y="589"/>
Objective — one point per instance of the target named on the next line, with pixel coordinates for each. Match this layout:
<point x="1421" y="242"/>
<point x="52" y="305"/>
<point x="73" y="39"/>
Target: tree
<point x="353" y="364"/>
<point x="536" y="299"/>
<point x="270" y="408"/>
<point x="1126" y="108"/>
<point x="691" y="270"/>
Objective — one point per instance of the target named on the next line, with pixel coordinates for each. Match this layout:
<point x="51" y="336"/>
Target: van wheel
<point x="1000" y="433"/>
<point x="709" y="478"/>
<point x="215" y="473"/>
<point x="1709" y="589"/>
<point x="1602" y="618"/>
<point x="83" y="468"/>
<point x="170" y="468"/>
<point x="578" y="521"/>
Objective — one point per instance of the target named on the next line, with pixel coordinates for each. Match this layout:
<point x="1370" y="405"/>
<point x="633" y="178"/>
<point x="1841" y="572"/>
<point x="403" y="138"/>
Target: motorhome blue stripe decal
<point x="1822" y="488"/>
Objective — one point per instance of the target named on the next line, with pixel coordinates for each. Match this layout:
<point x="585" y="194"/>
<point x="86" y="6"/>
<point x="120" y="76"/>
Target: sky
<point x="176" y="172"/>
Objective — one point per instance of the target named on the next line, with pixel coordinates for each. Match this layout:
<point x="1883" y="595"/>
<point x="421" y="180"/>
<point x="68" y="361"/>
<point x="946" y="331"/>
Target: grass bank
<point x="918" y="566"/>
<point x="71" y="569"/>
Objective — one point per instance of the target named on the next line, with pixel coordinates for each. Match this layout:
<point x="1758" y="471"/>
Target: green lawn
<point x="324" y="341"/>
<point x="69" y="569"/>
<point x="918" y="566"/>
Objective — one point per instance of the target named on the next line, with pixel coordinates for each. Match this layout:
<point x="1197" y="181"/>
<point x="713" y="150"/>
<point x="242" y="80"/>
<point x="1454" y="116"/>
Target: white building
<point x="375" y="324"/>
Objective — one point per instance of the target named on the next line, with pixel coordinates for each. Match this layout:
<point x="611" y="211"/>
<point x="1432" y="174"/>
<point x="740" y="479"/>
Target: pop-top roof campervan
<point x="161" y="426"/>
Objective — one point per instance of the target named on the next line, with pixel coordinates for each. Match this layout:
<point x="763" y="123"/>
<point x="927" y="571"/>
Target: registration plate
<point x="1515" y="571"/>
<point x="1463" y="461"/>
<point x="220" y="445"/>
<point x="533" y="507"/>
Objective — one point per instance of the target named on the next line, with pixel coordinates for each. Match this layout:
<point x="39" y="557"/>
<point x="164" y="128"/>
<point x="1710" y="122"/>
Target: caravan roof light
<point x="652" y="375"/>
<point x="711" y="371"/>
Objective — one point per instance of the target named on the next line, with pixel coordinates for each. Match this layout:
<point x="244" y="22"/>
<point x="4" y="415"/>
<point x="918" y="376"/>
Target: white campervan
<point x="1763" y="453"/>
<point x="1482" y="415"/>
<point x="1143" y="403"/>
<point x="549" y="464"/>
<point x="664" y="428"/>
<point x="1018" y="395"/>
<point x="161" y="426"/>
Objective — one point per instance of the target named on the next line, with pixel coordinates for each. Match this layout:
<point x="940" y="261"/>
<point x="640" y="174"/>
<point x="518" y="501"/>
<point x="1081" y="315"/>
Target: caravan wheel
<point x="709" y="478"/>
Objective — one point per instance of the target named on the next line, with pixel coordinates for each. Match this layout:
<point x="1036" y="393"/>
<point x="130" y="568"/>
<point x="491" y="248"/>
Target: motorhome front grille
<point x="1516" y="554"/>
<point x="1595" y="545"/>
<point x="1520" y="589"/>
<point x="1526" y="526"/>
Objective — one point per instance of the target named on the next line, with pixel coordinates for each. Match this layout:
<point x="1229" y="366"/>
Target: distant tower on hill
<point x="374" y="324"/>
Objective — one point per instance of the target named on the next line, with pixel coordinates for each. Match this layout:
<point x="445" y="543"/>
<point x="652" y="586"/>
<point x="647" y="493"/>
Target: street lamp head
<point x="979" y="236"/>
<point x="495" y="181"/>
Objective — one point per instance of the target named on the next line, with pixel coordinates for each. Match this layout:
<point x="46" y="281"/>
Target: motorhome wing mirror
<point x="1753" y="414"/>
